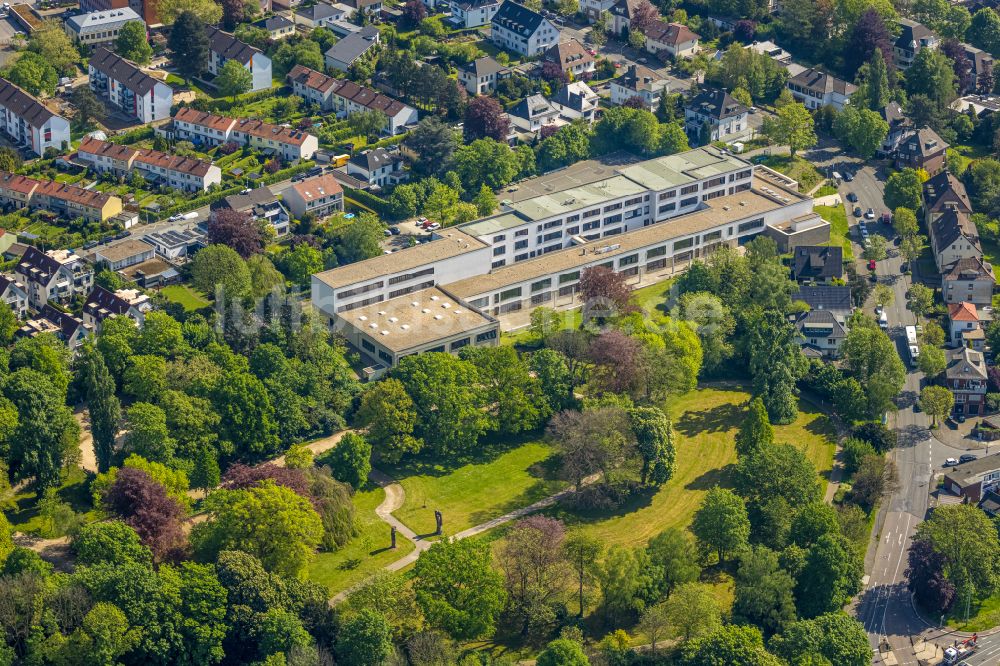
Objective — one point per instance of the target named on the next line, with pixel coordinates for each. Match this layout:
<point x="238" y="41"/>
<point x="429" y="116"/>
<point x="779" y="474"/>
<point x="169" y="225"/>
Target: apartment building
<point x="319" y="197"/>
<point x="648" y="221"/>
<point x="223" y="47"/>
<point x="30" y="124"/>
<point x="102" y="303"/>
<point x="912" y="38"/>
<point x="101" y="27"/>
<point x="640" y="82"/>
<point x="56" y="275"/>
<point x="967" y="379"/>
<point x="816" y="89"/>
<point x="921" y="149"/>
<point x="377" y="167"/>
<point x="201" y="127"/>
<point x="346" y="97"/>
<point x="473" y="13"/>
<point x="68" y="200"/>
<point x="516" y="28"/>
<point x="726" y="118"/>
<point x="53" y="321"/>
<point x="129" y="88"/>
<point x="14" y="294"/>
<point x="181" y="173"/>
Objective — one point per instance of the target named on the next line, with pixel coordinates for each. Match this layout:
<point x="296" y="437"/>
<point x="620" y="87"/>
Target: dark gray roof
<point x="990" y="503"/>
<point x="924" y="142"/>
<point x="22" y="104"/>
<point x="971" y="472"/>
<point x="965" y="363"/>
<point x="945" y="190"/>
<point x="818" y="262"/>
<point x="967" y="269"/>
<point x="518" y="18"/>
<point x="836" y="298"/>
<point x="67" y="323"/>
<point x="102" y="299"/>
<point x="716" y="104"/>
<point x="229" y="47"/>
<point x="484" y="66"/>
<point x="910" y="33"/>
<point x="320" y="10"/>
<point x="892" y="113"/>
<point x="374" y="159"/>
<point x="351" y="48"/>
<point x="951" y="225"/>
<point x="274" y="23"/>
<point x="817" y="323"/>
<point x="125" y="72"/>
<point x="816" y="80"/>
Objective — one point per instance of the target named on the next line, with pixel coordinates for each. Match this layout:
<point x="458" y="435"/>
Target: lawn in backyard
<point x="184" y="295"/>
<point x="705" y="423"/>
<point x="797" y="168"/>
<point x="365" y="554"/>
<point x="74" y="490"/>
<point x="982" y="616"/>
<point x="471" y="493"/>
<point x="840" y="233"/>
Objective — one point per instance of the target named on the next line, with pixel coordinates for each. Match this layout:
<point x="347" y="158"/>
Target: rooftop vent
<point x="439" y="316"/>
<point x="425" y="310"/>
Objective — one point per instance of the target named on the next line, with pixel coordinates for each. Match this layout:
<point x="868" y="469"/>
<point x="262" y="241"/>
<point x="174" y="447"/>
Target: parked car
<point x="433" y="226"/>
<point x="949" y="462"/>
<point x="966" y="457"/>
<point x="960" y="418"/>
<point x="871" y="264"/>
<point x="394" y="231"/>
<point x="857" y="211"/>
<point x="176" y="218"/>
<point x="870" y="214"/>
<point x="852" y="197"/>
<point x="904" y="267"/>
<point x="848" y="176"/>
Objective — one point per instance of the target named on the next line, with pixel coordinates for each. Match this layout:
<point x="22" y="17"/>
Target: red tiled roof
<point x="963" y="312"/>
<point x="203" y="118"/>
<point x="320" y="186"/>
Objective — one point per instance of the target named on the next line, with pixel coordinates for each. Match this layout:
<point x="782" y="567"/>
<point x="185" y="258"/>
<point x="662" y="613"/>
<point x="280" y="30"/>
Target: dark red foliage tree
<point x="925" y="577"/>
<point x="144" y="505"/>
<point x="745" y="30"/>
<point x="245" y="476"/>
<point x="237" y="230"/>
<point x="272" y="166"/>
<point x="620" y="365"/>
<point x="547" y="130"/>
<point x="635" y="102"/>
<point x="552" y="71"/>
<point x="985" y="83"/>
<point x="960" y="63"/>
<point x="869" y="33"/>
<point x="485" y="118"/>
<point x="603" y="288"/>
<point x="643" y="16"/>
<point x="228" y="148"/>
<point x="233" y="13"/>
<point x="414" y="12"/>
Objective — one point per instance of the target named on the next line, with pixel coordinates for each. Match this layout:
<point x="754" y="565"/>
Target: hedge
<point x="133" y="136"/>
<point x="226" y="104"/>
<point x="376" y="203"/>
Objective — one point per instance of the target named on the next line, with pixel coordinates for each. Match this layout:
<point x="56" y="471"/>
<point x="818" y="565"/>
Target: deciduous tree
<point x="792" y="127"/>
<point x="133" y="44"/>
<point x="391" y="418"/>
<point x="349" y="460"/>
<point x="188" y="39"/>
<point x="721" y="522"/>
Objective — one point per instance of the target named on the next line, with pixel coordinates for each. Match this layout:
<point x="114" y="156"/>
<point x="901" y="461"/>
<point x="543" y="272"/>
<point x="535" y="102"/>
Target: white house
<point x="322" y="14"/>
<point x="673" y="39"/>
<point x="516" y="28"/>
<point x="533" y="113"/>
<point x="319" y="196"/>
<point x="102" y="303"/>
<point x="100" y="27"/>
<point x="14" y="295"/>
<point x="223" y="47"/>
<point x="571" y="57"/>
<point x="577" y="100"/>
<point x="816" y="89"/>
<point x="641" y="82"/>
<point x="480" y="76"/>
<point x="913" y="37"/>
<point x="726" y="117"/>
<point x="473" y="13"/>
<point x="129" y="88"/>
<point x="29" y="123"/>
<point x="594" y="8"/>
<point x="965" y="329"/>
<point x="181" y="173"/>
<point x="346" y="97"/>
<point x="377" y="167"/>
<point x="56" y="275"/>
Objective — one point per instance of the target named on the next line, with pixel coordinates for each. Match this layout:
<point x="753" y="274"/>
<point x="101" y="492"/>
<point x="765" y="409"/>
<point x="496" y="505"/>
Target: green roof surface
<point x="682" y="168"/>
<point x="576" y="198"/>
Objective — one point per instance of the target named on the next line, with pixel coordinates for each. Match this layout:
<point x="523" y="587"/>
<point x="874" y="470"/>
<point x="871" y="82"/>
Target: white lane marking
<point x="895" y="574"/>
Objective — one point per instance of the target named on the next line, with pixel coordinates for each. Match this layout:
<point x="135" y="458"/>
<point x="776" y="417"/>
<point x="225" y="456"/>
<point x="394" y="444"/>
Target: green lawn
<point x="839" y="229"/>
<point x="365" y="554"/>
<point x="705" y="424"/>
<point x="795" y="167"/>
<point x="75" y="490"/>
<point x="653" y="298"/>
<point x="983" y="616"/>
<point x="187" y="297"/>
<point x="472" y="493"/>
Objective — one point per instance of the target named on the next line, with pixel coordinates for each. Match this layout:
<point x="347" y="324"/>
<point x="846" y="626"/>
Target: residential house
<point x="68" y="200"/>
<point x="56" y="275"/>
<point x="953" y="236"/>
<point x="30" y="124"/>
<point x="965" y="375"/>
<point x="533" y="113"/>
<point x="102" y="303"/>
<point x="473" y="13"/>
<point x="377" y="167"/>
<point x="912" y="38"/>
<point x="260" y="204"/>
<point x="622" y="13"/>
<point x="943" y="191"/>
<point x="127" y="87"/>
<point x="970" y="279"/>
<point x="65" y="327"/>
<point x="366" y="6"/>
<point x="181" y="173"/>
<point x="571" y="57"/>
<point x="921" y="149"/>
<point x="835" y="299"/>
<point x="594" y="8"/>
<point x="346" y="97"/>
<point x="322" y="15"/>
<point x="981" y="62"/>
<point x="480" y="76"/>
<point x="899" y="126"/>
<point x="14" y="294"/>
<point x="223" y="47"/>
<point x="725" y="117"/>
<point x="577" y="101"/>
<point x="671" y="39"/>
<point x="516" y="28"/>
<point x="176" y="243"/>
<point x="205" y="128"/>
<point x="128" y="252"/>
<point x="816" y="89"/>
<point x="100" y="27"/>
<point x="965" y="329"/>
<point x="352" y="48"/>
<point x="641" y="82"/>
<point x="319" y="197"/>
<point x="821" y="333"/>
<point x="278" y="27"/>
<point x="772" y="51"/>
<point x="818" y="263"/>
<point x="975" y="480"/>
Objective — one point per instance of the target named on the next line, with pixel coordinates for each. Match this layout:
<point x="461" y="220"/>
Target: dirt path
<point x="88" y="459"/>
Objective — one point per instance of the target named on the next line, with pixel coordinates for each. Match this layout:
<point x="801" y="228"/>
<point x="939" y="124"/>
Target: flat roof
<point x="415" y="319"/>
<point x="451" y="243"/>
<point x="740" y="205"/>
<point x="683" y="168"/>
<point x="970" y="472"/>
<point x="123" y="250"/>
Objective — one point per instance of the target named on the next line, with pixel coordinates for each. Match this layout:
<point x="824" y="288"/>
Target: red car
<point x="871" y="264"/>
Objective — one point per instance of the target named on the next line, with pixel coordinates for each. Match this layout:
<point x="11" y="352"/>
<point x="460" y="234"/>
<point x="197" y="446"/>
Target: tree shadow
<point x="718" y="477"/>
<point x="717" y="419"/>
<point x="911" y="435"/>
<point x="822" y="426"/>
<point x="436" y="465"/>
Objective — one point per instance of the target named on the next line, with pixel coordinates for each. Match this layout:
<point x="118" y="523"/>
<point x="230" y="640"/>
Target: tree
<point x="33" y="73"/>
<point x="904" y="222"/>
<point x="830" y="576"/>
<point x="414" y="12"/>
<point x="721" y="522"/>
<point x="961" y="534"/>
<point x="390" y="416"/>
<point x="932" y="75"/>
<point x="932" y="361"/>
<point x="763" y="591"/>
<point x="874" y="477"/>
<point x="171" y="12"/>
<point x="925" y="577"/>
<point x="777" y="471"/>
<point x="360" y="240"/>
<point x="189" y="42"/>
<point x="755" y="433"/>
<point x="233" y="79"/>
<point x="531" y="560"/>
<point x="235" y="12"/>
<point x="86" y="104"/>
<point x="591" y="441"/>
<point x="53" y="44"/>
<point x="458" y="589"/>
<point x="147" y="433"/>
<point x="105" y="410"/>
<point x="920" y="299"/>
<point x="776" y="363"/>
<point x="834" y="637"/>
<point x="514" y="398"/>
<point x="485" y="162"/>
<point x="246" y="412"/>
<point x="350" y="460"/>
<point x="485" y="118"/>
<point x="133" y="44"/>
<point x="878" y="435"/>
<point x="563" y="652"/>
<point x="872" y="358"/>
<point x="622" y="577"/>
<point x="582" y="552"/>
<point x="367" y="123"/>
<point x="937" y="401"/>
<point x="730" y="645"/>
<point x="693" y="611"/>
<point x="675" y="557"/>
<point x="364" y="638"/>
<point x="205" y="473"/>
<point x="270" y="522"/>
<point x="903" y="188"/>
<point x="654" y="435"/>
<point x="863" y="130"/>
<point x="793" y="127"/>
<point x="876" y="249"/>
<point x="111" y="542"/>
<point x="913" y="246"/>
<point x="219" y="266"/>
<point x="604" y="289"/>
<point x="432" y="140"/>
<point x="485" y="201"/>
<point x="45" y="428"/>
<point x="875" y="86"/>
<point x="143" y="504"/>
<point x="236" y="230"/>
<point x="984" y="30"/>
